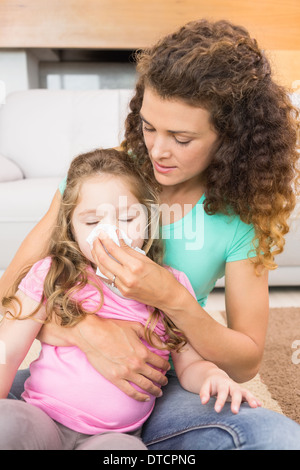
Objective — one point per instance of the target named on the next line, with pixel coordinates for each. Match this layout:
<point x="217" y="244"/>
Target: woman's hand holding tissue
<point x="136" y="276"/>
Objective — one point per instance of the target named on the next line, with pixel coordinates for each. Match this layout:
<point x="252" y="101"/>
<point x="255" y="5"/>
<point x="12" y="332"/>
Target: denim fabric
<point x="18" y="385"/>
<point x="180" y="422"/>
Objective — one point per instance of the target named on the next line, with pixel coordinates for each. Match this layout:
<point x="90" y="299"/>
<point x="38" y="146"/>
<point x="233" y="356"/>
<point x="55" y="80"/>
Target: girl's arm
<point x="236" y="349"/>
<point x="206" y="379"/>
<point x="16" y="337"/>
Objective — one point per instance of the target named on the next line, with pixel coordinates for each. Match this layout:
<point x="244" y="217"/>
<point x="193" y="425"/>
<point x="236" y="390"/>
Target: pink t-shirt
<point x="65" y="385"/>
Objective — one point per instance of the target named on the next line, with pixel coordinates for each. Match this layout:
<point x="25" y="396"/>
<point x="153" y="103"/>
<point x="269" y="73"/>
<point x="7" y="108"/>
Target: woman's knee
<point x="201" y="428"/>
<point x="263" y="429"/>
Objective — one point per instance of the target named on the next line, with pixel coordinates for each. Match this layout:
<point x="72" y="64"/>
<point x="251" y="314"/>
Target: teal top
<point x="200" y="245"/>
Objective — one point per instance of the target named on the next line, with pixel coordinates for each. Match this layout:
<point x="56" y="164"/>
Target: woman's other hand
<point x="114" y="348"/>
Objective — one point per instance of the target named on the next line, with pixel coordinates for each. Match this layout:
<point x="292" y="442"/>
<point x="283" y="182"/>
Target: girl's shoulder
<point x="40" y="267"/>
<point x="37" y="272"/>
<point x="33" y="283"/>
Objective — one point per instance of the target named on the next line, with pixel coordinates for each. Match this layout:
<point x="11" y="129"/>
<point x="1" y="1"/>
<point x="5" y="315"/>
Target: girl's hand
<point x="137" y="276"/>
<point x="115" y="350"/>
<point x="219" y="384"/>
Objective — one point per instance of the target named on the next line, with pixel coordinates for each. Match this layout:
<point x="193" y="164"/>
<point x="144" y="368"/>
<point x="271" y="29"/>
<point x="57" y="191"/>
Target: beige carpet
<point x="278" y="382"/>
<point x="280" y="370"/>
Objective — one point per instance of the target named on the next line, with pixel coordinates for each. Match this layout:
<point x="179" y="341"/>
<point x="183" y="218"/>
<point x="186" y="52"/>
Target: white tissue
<point x="111" y="231"/>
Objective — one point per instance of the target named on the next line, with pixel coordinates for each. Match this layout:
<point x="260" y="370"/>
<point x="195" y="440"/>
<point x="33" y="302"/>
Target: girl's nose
<point x="107" y="213"/>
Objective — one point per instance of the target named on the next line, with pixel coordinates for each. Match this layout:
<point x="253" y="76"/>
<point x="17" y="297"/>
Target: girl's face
<point x="179" y="139"/>
<point x="108" y="199"/>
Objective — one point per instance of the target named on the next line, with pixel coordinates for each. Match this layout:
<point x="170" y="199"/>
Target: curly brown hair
<point x="253" y="169"/>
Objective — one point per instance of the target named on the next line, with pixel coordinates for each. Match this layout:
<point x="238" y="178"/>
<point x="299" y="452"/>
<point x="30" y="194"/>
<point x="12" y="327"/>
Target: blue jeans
<point x="180" y="422"/>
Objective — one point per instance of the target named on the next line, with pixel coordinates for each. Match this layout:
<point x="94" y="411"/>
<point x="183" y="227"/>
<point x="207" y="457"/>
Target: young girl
<point x="68" y="401"/>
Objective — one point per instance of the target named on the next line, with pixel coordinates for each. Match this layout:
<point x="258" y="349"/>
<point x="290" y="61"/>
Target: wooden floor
<point x="279" y="297"/>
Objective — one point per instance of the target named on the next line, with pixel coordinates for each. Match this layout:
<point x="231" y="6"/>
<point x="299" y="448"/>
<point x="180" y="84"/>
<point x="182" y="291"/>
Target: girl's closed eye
<point x="126" y="219"/>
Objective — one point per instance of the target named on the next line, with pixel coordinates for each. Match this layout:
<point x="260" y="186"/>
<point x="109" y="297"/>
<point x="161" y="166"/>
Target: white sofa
<point x="41" y="131"/>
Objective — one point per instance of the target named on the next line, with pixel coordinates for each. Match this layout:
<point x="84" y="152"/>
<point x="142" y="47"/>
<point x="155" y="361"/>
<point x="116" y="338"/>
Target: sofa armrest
<point x="9" y="171"/>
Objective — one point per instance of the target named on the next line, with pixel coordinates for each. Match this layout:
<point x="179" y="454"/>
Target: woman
<point x="214" y="130"/>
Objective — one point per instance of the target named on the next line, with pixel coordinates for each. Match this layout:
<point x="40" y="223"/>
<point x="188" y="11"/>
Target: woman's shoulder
<point x="229" y="222"/>
<point x="234" y="234"/>
<point x="62" y="185"/>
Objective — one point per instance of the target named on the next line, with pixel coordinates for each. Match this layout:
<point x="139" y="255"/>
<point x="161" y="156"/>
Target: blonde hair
<point x="68" y="272"/>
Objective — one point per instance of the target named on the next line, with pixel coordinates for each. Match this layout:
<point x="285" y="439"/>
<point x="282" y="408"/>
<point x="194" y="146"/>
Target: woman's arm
<point x="33" y="248"/>
<point x="238" y="348"/>
<point x="17" y="336"/>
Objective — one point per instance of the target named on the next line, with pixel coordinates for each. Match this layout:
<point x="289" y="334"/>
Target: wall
<point x="86" y="75"/>
<point x="131" y="24"/>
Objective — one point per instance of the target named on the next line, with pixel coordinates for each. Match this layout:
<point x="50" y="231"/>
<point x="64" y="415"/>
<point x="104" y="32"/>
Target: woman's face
<point x="179" y="138"/>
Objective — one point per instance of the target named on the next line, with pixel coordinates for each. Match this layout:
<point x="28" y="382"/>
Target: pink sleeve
<point x="33" y="283"/>
<point x="184" y="280"/>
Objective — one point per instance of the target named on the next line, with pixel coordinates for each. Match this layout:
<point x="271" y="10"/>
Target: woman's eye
<point x="185" y="142"/>
<point x="148" y="129"/>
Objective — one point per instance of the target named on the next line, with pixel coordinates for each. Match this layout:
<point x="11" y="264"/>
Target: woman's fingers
<point x="119" y="354"/>
<point x="130" y="377"/>
<point x="138" y="394"/>
<point x="122" y="262"/>
<point x="123" y="254"/>
<point x="136" y="384"/>
<point x="132" y="392"/>
<point x="108" y="266"/>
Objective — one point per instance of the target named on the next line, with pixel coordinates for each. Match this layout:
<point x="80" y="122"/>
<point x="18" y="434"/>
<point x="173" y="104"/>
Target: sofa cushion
<point x="26" y="199"/>
<point x="9" y="171"/>
<point x="22" y="204"/>
<point x="43" y="130"/>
